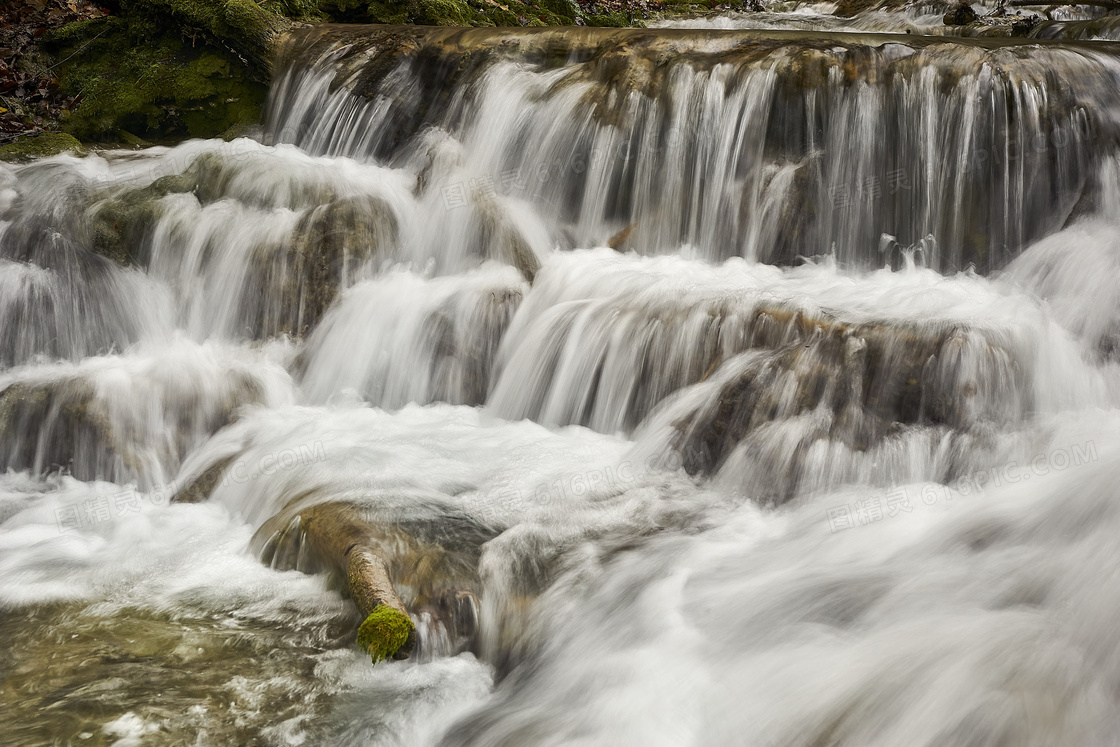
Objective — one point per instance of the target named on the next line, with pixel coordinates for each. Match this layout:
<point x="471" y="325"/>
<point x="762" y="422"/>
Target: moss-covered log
<point x="388" y="565"/>
<point x="335" y="536"/>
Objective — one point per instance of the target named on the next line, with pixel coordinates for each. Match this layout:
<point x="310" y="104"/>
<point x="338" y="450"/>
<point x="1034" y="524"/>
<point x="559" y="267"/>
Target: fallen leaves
<point x="30" y="101"/>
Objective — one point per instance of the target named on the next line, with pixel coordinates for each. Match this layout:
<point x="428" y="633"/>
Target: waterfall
<point x="769" y="150"/>
<point x="743" y="381"/>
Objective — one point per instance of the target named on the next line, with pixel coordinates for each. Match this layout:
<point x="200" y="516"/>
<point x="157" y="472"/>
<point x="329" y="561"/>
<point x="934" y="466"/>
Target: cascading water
<point x="722" y="387"/>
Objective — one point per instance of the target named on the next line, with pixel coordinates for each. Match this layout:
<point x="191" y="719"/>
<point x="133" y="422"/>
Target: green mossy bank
<point x="39" y="146"/>
<point x="164" y="70"/>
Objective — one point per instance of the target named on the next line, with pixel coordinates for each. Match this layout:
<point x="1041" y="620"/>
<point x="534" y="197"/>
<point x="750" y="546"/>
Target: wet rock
<point x="327" y="246"/>
<point x="121" y="223"/>
<point x="1105" y="28"/>
<point x="199" y="488"/>
<point x="959" y="14"/>
<point x="40" y="146"/>
<point x="462" y="358"/>
<point x="857" y="385"/>
<point x="1024" y="26"/>
<point x="505" y="241"/>
<point x="66" y="421"/>
<point x="56" y="426"/>
<point x="290" y="283"/>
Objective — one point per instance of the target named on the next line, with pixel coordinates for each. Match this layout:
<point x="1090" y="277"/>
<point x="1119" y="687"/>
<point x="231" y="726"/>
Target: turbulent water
<point x="755" y="388"/>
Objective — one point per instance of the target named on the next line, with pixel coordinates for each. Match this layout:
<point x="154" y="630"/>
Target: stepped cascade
<point x="749" y="380"/>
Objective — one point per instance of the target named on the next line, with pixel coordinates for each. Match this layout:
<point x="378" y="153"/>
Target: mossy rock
<point x="364" y="11"/>
<point x="442" y="13"/>
<point x="242" y="26"/>
<point x="165" y="88"/>
<point x="565" y="9"/>
<point x="119" y="225"/>
<point x="40" y="146"/>
<point x="327" y="245"/>
<point x="608" y="20"/>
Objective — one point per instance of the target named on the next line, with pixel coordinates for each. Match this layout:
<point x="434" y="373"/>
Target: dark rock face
<point x="871" y="379"/>
<point x="960" y="14"/>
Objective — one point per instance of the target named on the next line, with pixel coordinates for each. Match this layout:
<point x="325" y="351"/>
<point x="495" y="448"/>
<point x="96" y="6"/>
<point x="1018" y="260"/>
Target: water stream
<point x="755" y="386"/>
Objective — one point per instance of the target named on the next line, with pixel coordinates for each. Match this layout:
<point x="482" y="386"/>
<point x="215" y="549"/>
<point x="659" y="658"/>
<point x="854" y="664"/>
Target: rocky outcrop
<point x="827" y="384"/>
<point x="288" y="286"/>
<point x="328" y="241"/>
<point x="959" y="14"/>
<point x="65" y="419"/>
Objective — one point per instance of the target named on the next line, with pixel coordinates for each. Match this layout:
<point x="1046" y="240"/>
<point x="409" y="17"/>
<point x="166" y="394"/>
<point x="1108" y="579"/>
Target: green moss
<point x="240" y="25"/>
<point x="297" y="10"/>
<point x="563" y="9"/>
<point x="163" y="89"/>
<point x="40" y="146"/>
<point x="384" y="632"/>
<point x="613" y="20"/>
<point x="504" y="18"/>
<point x="193" y="68"/>
<point x="387" y="12"/>
<point x="442" y="13"/>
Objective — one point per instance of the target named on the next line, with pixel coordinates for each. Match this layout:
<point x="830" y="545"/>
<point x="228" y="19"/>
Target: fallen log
<point x="387" y="630"/>
<point x="337" y="537"/>
<point x="434" y="567"/>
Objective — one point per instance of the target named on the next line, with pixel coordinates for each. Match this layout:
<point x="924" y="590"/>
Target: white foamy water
<point x="666" y="493"/>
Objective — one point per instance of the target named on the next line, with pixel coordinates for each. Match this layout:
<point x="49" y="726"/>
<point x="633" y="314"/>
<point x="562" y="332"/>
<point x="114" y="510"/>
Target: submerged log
<point x="387" y="629"/>
<point x="391" y="566"/>
<point x="339" y="538"/>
